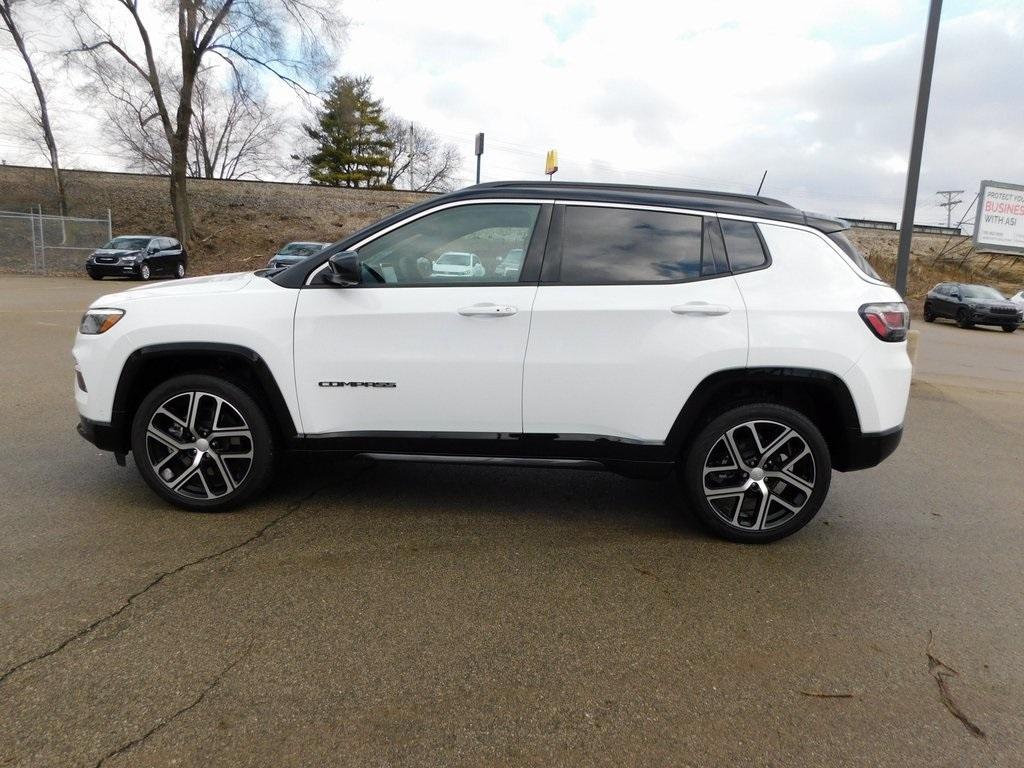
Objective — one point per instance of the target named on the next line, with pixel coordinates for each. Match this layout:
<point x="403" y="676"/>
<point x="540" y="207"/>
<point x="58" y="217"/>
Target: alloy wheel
<point x="759" y="475"/>
<point x="180" y="270"/>
<point x="144" y="271"/>
<point x="199" y="445"/>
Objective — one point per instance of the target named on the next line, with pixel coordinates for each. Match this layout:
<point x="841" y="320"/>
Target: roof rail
<point x="707" y="193"/>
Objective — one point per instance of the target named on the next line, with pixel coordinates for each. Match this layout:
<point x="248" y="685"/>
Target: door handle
<point x="494" y="310"/>
<point x="701" y="308"/>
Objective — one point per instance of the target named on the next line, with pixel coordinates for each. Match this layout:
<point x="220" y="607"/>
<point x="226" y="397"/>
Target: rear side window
<point x="743" y="245"/>
<point x="622" y="245"/>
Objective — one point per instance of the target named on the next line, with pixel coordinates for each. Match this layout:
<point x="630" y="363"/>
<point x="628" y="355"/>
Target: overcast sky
<point x="693" y="94"/>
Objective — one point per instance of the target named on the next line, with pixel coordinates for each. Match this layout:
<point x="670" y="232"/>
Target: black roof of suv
<point x="668" y="197"/>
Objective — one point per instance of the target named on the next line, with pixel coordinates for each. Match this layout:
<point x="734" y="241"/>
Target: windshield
<point x="855" y="256"/>
<point x="300" y="249"/>
<point x="457" y="259"/>
<point x="980" y="292"/>
<point x="127" y="244"/>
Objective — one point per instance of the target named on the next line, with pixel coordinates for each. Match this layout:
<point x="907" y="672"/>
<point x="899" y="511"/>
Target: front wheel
<point x="144" y="271"/>
<point x="929" y="315"/>
<point x="963" y="318"/>
<point x="757" y="473"/>
<point x="1009" y="328"/>
<point x="179" y="270"/>
<point x="202" y="443"/>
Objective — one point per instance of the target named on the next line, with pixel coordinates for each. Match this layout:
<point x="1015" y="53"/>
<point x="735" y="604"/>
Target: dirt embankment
<point x="239" y="224"/>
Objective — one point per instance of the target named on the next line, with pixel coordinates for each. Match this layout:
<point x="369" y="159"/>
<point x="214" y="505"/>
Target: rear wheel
<point x="963" y="318"/>
<point x="757" y="473"/>
<point x="202" y="443"/>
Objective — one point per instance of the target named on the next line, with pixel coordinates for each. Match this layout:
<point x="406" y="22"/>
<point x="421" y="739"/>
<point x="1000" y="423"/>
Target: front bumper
<point x="980" y="316"/>
<point x="112" y="270"/>
<point x="103" y="436"/>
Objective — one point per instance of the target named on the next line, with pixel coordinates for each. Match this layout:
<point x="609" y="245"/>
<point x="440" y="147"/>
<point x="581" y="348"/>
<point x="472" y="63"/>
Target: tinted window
<point x="742" y="244"/>
<point x="618" y="245"/>
<point x="456" y="245"/>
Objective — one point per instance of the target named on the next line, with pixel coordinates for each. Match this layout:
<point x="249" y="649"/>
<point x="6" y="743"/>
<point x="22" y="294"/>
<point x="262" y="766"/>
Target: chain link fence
<point x="46" y="243"/>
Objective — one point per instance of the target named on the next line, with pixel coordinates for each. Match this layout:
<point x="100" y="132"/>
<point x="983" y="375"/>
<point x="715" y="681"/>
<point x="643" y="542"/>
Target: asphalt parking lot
<point x="396" y="614"/>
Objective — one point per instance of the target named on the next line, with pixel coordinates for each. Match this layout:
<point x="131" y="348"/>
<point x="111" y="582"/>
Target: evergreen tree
<point x="351" y="136"/>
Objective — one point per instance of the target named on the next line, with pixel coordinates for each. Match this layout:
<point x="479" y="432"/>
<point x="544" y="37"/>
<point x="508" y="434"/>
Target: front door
<point x="420" y="347"/>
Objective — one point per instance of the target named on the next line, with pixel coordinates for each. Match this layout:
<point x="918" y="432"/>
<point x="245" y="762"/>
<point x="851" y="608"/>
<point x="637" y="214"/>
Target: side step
<point x="504" y="461"/>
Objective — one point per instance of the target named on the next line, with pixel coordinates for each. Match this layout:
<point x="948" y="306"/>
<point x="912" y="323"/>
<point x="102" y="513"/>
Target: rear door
<point x="412" y="350"/>
<point x="633" y="311"/>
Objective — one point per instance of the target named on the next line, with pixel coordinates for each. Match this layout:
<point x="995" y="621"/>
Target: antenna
<point x="763" y="177"/>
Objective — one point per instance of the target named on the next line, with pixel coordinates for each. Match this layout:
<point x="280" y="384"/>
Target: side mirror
<point x="152" y="249"/>
<point x="955" y="295"/>
<point x="343" y="269"/>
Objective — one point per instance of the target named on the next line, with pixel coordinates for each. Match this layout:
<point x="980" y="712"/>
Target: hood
<point x="192" y="286"/>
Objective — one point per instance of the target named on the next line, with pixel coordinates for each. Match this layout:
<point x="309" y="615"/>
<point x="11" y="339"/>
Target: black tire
<point x="777" y="519"/>
<point x="179" y="270"/>
<point x="962" y="318"/>
<point x="208" y="475"/>
<point x="1009" y="328"/>
<point x="929" y="316"/>
<point x="144" y="271"/>
<point x="95" y="277"/>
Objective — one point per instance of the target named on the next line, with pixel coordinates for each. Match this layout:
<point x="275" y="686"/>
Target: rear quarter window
<point x="855" y="255"/>
<point x="743" y="245"/>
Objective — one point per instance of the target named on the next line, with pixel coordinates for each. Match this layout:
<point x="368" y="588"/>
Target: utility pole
<point x="924" y="89"/>
<point x="950" y="203"/>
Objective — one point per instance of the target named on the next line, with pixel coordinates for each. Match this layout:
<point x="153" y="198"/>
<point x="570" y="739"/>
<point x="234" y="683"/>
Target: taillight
<point x="889" y="322"/>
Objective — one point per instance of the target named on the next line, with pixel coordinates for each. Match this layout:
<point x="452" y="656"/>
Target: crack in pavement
<point x="157" y="580"/>
<point x="192" y="705"/>
<point x="941" y="671"/>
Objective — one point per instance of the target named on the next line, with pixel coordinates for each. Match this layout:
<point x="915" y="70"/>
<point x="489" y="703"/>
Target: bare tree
<point x="418" y="159"/>
<point x="292" y="39"/>
<point x="40" y="116"/>
<point x="233" y="132"/>
<point x="233" y="127"/>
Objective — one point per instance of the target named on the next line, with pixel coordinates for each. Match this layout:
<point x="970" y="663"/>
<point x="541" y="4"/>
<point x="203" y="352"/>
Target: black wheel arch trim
<point x="125" y="402"/>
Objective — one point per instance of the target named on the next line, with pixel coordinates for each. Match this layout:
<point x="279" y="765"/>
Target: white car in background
<point x="458" y="264"/>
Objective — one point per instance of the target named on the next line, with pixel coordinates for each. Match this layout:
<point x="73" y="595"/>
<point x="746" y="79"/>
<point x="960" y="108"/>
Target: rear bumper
<point x="867" y="449"/>
<point x="103" y="436"/>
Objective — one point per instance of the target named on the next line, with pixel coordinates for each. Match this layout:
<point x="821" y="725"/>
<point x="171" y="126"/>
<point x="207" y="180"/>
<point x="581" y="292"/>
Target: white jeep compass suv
<point x="740" y="342"/>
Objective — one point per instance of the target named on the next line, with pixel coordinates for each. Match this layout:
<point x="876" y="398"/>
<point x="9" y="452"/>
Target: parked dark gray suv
<point x="971" y="305"/>
<point x="139" y="257"/>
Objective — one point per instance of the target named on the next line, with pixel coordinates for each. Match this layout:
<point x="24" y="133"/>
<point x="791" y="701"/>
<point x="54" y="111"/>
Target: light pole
<point x="479" y="149"/>
<point x="916" y="145"/>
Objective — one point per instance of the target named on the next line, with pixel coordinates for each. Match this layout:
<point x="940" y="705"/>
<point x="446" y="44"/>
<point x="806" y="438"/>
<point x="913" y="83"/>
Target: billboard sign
<point x="999" y="226"/>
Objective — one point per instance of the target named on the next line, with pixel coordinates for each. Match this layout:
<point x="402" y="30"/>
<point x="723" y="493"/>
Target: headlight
<point x="129" y="258"/>
<point x="99" y="320"/>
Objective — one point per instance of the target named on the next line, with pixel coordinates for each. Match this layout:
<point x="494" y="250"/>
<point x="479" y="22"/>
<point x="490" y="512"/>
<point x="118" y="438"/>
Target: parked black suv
<point x="971" y="305"/>
<point x="139" y="257"/>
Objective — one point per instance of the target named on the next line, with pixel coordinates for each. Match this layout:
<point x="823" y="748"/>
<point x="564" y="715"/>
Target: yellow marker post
<point x="551" y="163"/>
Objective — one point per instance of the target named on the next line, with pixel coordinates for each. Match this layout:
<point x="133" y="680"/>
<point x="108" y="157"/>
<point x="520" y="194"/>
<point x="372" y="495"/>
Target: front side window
<point x="464" y="244"/>
<point x="623" y="245"/>
<point x="743" y="245"/>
